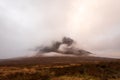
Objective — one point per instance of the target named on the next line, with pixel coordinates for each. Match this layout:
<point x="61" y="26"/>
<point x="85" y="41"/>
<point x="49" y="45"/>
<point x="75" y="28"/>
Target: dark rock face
<point x="67" y="41"/>
<point x="67" y="49"/>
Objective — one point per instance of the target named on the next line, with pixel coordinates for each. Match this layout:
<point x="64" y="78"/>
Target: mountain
<point x="54" y="60"/>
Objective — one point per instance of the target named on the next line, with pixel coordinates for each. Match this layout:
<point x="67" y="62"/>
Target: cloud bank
<point x="25" y="24"/>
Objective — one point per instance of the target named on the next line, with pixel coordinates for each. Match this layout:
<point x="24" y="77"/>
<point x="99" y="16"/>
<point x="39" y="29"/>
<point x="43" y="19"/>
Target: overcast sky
<point x="26" y="24"/>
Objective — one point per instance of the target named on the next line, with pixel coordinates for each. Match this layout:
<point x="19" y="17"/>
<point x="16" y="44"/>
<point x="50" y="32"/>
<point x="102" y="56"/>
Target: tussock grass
<point x="85" y="71"/>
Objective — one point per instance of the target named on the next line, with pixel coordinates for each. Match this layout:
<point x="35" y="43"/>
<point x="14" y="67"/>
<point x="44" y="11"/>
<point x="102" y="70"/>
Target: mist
<point x="26" y="24"/>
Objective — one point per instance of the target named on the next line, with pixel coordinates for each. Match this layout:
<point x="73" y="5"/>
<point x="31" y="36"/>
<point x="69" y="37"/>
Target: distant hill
<point x="54" y="60"/>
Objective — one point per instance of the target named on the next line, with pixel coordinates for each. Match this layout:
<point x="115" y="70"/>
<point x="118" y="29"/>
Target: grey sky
<point x="25" y="24"/>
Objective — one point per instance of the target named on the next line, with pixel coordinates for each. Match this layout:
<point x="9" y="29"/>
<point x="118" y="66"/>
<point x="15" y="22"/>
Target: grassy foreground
<point x="81" y="71"/>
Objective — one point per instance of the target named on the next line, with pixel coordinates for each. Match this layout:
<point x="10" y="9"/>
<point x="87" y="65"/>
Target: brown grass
<point x="60" y="68"/>
<point x="82" y="71"/>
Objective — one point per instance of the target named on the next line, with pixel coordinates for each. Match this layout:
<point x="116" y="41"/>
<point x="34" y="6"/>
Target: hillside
<point x="54" y="60"/>
<point x="60" y="68"/>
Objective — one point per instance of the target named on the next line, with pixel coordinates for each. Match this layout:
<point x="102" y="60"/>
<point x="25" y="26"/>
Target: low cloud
<point x="93" y="24"/>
